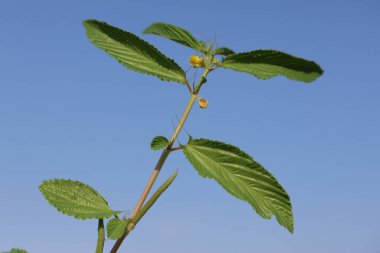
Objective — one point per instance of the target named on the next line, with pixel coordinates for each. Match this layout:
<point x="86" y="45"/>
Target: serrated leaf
<point x="265" y="64"/>
<point x="159" y="142"/>
<point x="133" y="52"/>
<point x="116" y="228"/>
<point x="224" y="51"/>
<point x="176" y="34"/>
<point x="242" y="177"/>
<point x="76" y="199"/>
<point x="14" y="250"/>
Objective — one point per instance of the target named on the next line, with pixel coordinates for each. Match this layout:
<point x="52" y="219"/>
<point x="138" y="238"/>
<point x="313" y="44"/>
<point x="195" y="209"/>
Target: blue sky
<point x="67" y="110"/>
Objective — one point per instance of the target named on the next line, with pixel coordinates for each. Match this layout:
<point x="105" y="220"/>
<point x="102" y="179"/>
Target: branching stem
<point x="176" y="148"/>
<point x="165" y="153"/>
<point x="188" y="86"/>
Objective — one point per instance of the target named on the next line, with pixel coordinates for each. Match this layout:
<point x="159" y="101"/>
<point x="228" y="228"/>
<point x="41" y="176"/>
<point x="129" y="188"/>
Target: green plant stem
<point x="153" y="199"/>
<point x="101" y="235"/>
<point x="165" y="153"/>
<point x="188" y="86"/>
<point x="176" y="148"/>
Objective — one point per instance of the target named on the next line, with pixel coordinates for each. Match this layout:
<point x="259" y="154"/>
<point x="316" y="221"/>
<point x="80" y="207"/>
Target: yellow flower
<point x="196" y="61"/>
<point x="203" y="103"/>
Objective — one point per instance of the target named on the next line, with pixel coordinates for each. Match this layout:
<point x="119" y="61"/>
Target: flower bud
<point x="196" y="61"/>
<point x="203" y="103"/>
<point x="215" y="60"/>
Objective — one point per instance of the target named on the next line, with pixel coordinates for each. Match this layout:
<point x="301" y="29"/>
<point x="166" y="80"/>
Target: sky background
<point x="67" y="110"/>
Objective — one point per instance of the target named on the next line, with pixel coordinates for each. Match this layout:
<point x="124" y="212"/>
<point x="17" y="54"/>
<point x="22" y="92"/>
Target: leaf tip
<point x="87" y="22"/>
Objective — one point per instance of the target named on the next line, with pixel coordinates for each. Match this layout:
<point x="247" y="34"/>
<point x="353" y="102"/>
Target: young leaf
<point x="116" y="228"/>
<point x="265" y="64"/>
<point x="224" y="51"/>
<point x="76" y="199"/>
<point x="159" y="142"/>
<point x="174" y="33"/>
<point x="133" y="52"/>
<point x="242" y="177"/>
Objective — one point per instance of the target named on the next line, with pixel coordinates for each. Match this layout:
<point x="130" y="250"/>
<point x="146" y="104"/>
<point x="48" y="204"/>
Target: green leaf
<point x="242" y="177"/>
<point x="159" y="142"/>
<point x="224" y="51"/>
<point x="265" y="64"/>
<point x="116" y="228"/>
<point x="76" y="199"/>
<point x="133" y="52"/>
<point x="14" y="250"/>
<point x="176" y="34"/>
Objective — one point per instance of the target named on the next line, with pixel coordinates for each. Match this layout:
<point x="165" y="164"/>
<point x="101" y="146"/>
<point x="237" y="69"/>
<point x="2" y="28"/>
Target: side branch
<point x="188" y="86"/>
<point x="176" y="148"/>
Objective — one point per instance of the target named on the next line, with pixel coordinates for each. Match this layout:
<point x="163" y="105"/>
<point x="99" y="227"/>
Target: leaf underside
<point x="133" y="52"/>
<point x="116" y="228"/>
<point x="76" y="199"/>
<point x="174" y="33"/>
<point x="159" y="142"/>
<point x="265" y="64"/>
<point x="242" y="177"/>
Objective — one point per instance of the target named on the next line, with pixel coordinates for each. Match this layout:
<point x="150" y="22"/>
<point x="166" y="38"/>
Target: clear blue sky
<point x="67" y="110"/>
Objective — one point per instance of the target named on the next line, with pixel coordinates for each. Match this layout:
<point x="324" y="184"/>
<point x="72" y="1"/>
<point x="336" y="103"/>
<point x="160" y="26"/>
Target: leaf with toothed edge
<point x="159" y="142"/>
<point x="176" y="34"/>
<point x="76" y="199"/>
<point x="116" y="228"/>
<point x="14" y="250"/>
<point x="265" y="64"/>
<point x="242" y="177"/>
<point x="133" y="52"/>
